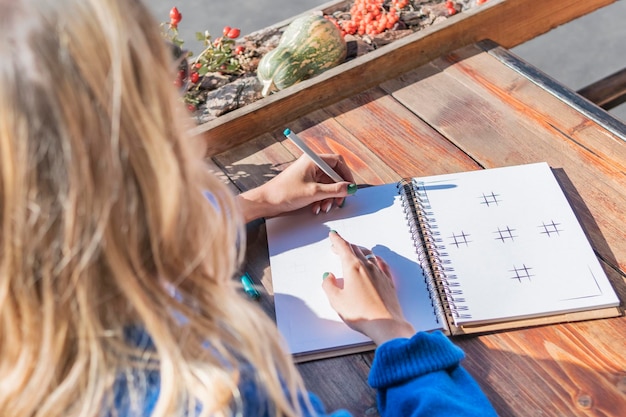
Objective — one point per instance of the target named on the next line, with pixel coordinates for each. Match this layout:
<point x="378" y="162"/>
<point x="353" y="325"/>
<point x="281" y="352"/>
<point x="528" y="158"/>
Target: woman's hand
<point x="301" y="184"/>
<point x="365" y="298"/>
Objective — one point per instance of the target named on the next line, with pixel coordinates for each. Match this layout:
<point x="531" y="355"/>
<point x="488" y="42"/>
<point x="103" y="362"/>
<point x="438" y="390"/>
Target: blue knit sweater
<point x="420" y="376"/>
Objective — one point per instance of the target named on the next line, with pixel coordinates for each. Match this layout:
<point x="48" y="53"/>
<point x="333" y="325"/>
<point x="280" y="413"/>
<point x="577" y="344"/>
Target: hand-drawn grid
<point x="521" y="273"/>
<point x="550" y="229"/>
<point x="505" y="234"/>
<point x="459" y="239"/>
<point x="490" y="199"/>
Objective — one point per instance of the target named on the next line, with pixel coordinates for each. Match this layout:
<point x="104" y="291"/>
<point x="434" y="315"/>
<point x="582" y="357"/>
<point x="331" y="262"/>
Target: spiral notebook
<point x="469" y="252"/>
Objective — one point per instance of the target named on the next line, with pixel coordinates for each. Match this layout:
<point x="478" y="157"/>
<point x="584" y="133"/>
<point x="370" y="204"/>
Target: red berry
<point x="450" y="7"/>
<point x="195" y="77"/>
<point x="198" y="65"/>
<point x="191" y="107"/>
<point x="233" y="33"/>
<point x="226" y="30"/>
<point x="175" y="17"/>
<point x="239" y="49"/>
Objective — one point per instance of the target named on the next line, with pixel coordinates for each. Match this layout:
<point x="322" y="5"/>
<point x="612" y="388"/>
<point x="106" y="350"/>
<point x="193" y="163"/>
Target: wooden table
<point x="478" y="107"/>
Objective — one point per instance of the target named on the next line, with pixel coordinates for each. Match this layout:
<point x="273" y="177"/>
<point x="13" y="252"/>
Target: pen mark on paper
<point x="505" y="234"/>
<point x="550" y="228"/>
<point x="459" y="239"/>
<point x="522" y="273"/>
<point x="491" y="199"/>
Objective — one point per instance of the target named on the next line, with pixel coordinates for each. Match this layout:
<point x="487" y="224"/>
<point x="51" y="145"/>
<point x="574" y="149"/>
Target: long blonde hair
<point x="104" y="227"/>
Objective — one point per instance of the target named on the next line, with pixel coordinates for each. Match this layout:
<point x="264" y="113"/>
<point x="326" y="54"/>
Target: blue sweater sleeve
<point x="422" y="376"/>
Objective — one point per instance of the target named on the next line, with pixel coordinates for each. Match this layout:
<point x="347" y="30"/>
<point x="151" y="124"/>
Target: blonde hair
<point x="104" y="228"/>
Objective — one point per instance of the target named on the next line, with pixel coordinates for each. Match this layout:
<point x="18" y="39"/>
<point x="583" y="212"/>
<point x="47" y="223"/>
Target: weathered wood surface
<point x="466" y="111"/>
<point x="608" y="92"/>
<point x="507" y="22"/>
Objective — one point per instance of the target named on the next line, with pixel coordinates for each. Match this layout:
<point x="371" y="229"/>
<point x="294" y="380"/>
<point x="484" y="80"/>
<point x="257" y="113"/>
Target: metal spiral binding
<point x="410" y="208"/>
<point x="439" y="274"/>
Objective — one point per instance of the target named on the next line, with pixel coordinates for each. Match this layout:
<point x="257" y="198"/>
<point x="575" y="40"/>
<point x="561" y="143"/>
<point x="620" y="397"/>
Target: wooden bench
<point x="608" y="92"/>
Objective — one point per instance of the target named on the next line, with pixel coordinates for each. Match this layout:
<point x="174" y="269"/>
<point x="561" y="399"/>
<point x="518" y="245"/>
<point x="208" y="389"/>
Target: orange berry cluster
<point x="451" y="8"/>
<point x="371" y="18"/>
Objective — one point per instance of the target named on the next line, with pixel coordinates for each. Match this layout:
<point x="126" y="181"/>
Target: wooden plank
<point x="574" y="100"/>
<point x="608" y="92"/>
<point x="474" y="107"/>
<point x="589" y="145"/>
<point x="255" y="162"/>
<point x="542" y="108"/>
<point x="575" y="369"/>
<point x="214" y="169"/>
<point x="342" y="383"/>
<point x="500" y="118"/>
<point x="508" y="22"/>
<point x="390" y="130"/>
<point x="325" y="135"/>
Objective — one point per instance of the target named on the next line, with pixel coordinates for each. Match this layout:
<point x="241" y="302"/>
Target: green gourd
<point x="310" y="45"/>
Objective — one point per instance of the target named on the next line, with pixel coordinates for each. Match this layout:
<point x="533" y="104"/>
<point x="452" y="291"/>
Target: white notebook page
<point x="300" y="253"/>
<point x="515" y="245"/>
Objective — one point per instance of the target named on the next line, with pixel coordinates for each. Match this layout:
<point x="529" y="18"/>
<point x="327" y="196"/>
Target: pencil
<point x="308" y="151"/>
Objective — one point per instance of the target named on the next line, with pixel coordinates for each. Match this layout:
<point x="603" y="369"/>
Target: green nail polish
<point x="333" y="231"/>
<point x="326" y="274"/>
<point x="352" y="189"/>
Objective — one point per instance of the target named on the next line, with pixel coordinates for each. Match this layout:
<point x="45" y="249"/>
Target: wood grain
<point x="499" y="118"/>
<point x="608" y="92"/>
<point x="507" y="22"/>
<point x="326" y="135"/>
<point x="390" y="130"/>
<point x="468" y="110"/>
<point x="573" y="369"/>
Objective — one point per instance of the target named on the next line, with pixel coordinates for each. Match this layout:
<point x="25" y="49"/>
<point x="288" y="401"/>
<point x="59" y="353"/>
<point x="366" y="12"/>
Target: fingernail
<point x="329" y="207"/>
<point x="325" y="275"/>
<point x="342" y="203"/>
<point x="317" y="210"/>
<point x="352" y="189"/>
<point x="333" y="231"/>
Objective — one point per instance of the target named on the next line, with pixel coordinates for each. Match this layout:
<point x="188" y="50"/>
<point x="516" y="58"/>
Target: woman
<point x="116" y="295"/>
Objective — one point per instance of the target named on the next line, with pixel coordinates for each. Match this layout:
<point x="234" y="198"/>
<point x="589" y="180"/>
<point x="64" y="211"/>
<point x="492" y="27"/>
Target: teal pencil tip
<point x="287" y="132"/>
<point x="248" y="287"/>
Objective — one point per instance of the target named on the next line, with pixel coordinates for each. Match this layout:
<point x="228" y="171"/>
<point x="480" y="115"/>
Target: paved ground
<point x="584" y="50"/>
<point x="576" y="54"/>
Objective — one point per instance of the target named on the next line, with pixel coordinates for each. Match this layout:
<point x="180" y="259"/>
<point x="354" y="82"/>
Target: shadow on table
<point x="561" y="380"/>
